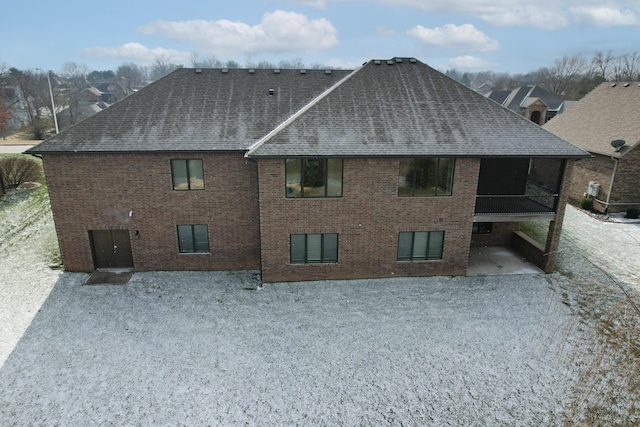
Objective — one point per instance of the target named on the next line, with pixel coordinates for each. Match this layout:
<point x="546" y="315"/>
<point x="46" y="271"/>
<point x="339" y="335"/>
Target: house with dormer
<point x="532" y="102"/>
<point x="392" y="169"/>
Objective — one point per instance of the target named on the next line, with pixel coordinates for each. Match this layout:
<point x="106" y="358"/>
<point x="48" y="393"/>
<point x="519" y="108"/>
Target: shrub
<point x="18" y="170"/>
<point x="586" y="204"/>
<point x="633" y="213"/>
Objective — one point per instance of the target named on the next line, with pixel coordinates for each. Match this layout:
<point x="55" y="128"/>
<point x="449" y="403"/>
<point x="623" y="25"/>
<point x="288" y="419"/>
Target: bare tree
<point x="210" y="61"/>
<point x="626" y="67"/>
<point x="161" y="67"/>
<point x="294" y="63"/>
<point x="565" y="76"/>
<point x="601" y="62"/>
<point x="131" y="76"/>
<point x="32" y="99"/>
<point x="75" y="79"/>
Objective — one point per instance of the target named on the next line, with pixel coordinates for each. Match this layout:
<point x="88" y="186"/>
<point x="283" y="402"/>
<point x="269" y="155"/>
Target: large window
<point x="426" y="176"/>
<point x="314" y="248"/>
<point x="314" y="177"/>
<point x="420" y="245"/>
<point x="187" y="174"/>
<point x="193" y="238"/>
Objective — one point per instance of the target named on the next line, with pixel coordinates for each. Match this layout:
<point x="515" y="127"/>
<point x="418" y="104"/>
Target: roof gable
<point x="608" y="112"/>
<point x="402" y="107"/>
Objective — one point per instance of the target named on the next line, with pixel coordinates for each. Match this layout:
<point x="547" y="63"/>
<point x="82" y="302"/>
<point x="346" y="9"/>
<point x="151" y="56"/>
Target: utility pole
<point x="53" y="105"/>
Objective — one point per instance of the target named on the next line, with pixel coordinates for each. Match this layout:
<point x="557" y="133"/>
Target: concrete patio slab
<point x="498" y="260"/>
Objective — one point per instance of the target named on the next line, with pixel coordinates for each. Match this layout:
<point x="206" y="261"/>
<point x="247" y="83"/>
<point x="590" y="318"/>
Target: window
<point x="314" y="177"/>
<point x="187" y="174"/>
<point x="313" y="248"/>
<point x="193" y="238"/>
<point x="482" y="228"/>
<point x="426" y="176"/>
<point x="420" y="245"/>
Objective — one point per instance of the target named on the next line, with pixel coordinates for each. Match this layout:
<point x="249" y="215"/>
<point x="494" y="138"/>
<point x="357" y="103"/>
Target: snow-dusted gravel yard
<point x="204" y="348"/>
<point x="208" y="348"/>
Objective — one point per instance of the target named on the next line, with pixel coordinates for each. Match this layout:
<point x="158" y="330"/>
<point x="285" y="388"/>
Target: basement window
<point x="482" y="228"/>
<point x="193" y="238"/>
<point x="313" y="248"/>
<point x="420" y="245"/>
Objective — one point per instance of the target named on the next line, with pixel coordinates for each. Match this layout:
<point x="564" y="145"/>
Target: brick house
<point x="532" y="102"/>
<point x="610" y="177"/>
<point x="389" y="170"/>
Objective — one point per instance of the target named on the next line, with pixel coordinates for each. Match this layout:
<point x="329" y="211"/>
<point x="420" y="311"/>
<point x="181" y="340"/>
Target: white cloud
<point x="470" y="63"/>
<point x="279" y="32"/>
<point x="318" y="4"/>
<point x="605" y="16"/>
<point x="548" y="18"/>
<point x="545" y="15"/>
<point x="464" y="37"/>
<point x="136" y="52"/>
<point x="385" y="32"/>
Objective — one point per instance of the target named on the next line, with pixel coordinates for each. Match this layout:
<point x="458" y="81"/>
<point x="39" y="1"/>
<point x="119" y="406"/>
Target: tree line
<point x="27" y="94"/>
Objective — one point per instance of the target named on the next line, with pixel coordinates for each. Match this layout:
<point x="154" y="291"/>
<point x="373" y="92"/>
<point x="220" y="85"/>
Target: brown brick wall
<point x="368" y="219"/>
<point x="555" y="226"/>
<point x="625" y="192"/>
<point x="598" y="169"/>
<point x="500" y="235"/>
<point x="626" y="187"/>
<point x="97" y="192"/>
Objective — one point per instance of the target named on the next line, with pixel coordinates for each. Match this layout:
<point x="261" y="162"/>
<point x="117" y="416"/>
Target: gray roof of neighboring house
<point x="606" y="113"/>
<point x="398" y="107"/>
<point x="524" y="96"/>
<point x="403" y="107"/>
<point x="214" y="110"/>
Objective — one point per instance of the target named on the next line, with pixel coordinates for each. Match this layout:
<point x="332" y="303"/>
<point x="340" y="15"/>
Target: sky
<point x="513" y="36"/>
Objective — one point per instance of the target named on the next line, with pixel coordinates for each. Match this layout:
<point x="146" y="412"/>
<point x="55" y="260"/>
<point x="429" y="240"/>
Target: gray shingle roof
<point x="403" y="107"/>
<point x="524" y="95"/>
<point x="399" y="107"/>
<point x="608" y="112"/>
<point x="187" y="111"/>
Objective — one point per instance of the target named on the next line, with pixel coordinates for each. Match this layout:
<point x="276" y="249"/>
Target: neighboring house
<point x="111" y="91"/>
<point x="393" y="169"/>
<point x="532" y="102"/>
<point x="612" y="176"/>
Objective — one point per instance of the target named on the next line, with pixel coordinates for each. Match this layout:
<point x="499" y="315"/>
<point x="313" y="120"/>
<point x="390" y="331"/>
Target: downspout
<point x="259" y="216"/>
<point x="613" y="177"/>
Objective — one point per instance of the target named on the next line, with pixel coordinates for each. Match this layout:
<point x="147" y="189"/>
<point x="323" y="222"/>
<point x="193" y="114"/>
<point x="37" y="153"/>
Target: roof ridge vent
<point x="276" y="71"/>
<point x="390" y="62"/>
<point x="327" y="71"/>
<point x="252" y="71"/>
<point x="413" y="60"/>
<point x="303" y="71"/>
<point x="398" y="60"/>
<point x="377" y="62"/>
<point x="198" y="70"/>
<point x="627" y="84"/>
<point x="613" y="85"/>
<point x="225" y="70"/>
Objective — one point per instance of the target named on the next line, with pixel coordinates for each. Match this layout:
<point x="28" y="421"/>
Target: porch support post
<point x="555" y="226"/>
